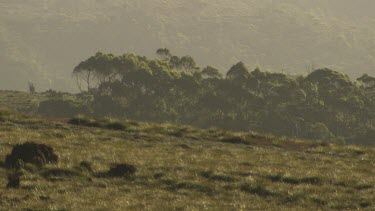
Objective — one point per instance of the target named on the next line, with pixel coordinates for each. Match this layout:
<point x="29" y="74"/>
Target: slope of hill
<point x="28" y="103"/>
<point x="180" y="167"/>
<point x="20" y="101"/>
<point x="42" y="41"/>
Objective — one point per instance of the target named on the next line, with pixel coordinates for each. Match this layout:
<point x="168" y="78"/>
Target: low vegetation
<point x="163" y="166"/>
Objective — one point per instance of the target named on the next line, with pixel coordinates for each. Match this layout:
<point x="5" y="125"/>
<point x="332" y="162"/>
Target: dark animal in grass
<point x="121" y="170"/>
<point x="30" y="152"/>
<point x="14" y="180"/>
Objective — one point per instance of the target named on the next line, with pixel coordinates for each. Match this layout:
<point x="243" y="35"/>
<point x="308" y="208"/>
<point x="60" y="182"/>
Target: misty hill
<point x="179" y="167"/>
<point x="42" y="41"/>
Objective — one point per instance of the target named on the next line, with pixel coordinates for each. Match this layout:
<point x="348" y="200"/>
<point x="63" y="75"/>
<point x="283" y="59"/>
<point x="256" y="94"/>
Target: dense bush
<point x="60" y="108"/>
<point x="30" y="152"/>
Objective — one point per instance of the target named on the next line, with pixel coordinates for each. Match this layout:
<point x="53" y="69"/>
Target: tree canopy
<point x="324" y="104"/>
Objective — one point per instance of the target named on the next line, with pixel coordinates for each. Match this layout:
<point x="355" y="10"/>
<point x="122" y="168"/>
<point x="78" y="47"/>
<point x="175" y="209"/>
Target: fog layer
<point x="42" y="41"/>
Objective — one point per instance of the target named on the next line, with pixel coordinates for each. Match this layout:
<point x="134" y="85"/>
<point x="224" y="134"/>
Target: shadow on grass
<point x="103" y="123"/>
<point x="234" y="140"/>
<point x="122" y="170"/>
<point x="257" y="189"/>
<point x="59" y="174"/>
<point x="295" y="181"/>
<point x="217" y="177"/>
<point x="2" y="164"/>
<point x="173" y="185"/>
<point x="354" y="185"/>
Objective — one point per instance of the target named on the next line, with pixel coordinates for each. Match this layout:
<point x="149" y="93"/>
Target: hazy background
<point x="43" y="40"/>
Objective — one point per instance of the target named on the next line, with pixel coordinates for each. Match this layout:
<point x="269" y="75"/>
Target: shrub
<point x="115" y="126"/>
<point x="84" y="121"/>
<point x="234" y="140"/>
<point x="59" y="108"/>
<point x="30" y="152"/>
<point x="122" y="170"/>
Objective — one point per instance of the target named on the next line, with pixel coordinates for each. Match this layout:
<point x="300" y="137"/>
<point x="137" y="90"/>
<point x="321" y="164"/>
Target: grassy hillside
<point x="42" y="41"/>
<point x="28" y="103"/>
<point x="20" y="101"/>
<point x="180" y="167"/>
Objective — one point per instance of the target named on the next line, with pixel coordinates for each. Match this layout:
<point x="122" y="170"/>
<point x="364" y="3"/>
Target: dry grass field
<point x="180" y="167"/>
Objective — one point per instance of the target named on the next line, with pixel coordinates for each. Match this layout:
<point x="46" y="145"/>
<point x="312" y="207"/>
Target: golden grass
<point x="180" y="167"/>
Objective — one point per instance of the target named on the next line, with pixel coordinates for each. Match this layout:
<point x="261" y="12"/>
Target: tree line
<point x="323" y="105"/>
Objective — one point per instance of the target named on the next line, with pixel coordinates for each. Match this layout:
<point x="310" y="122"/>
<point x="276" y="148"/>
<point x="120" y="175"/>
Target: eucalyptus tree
<point x="322" y="105"/>
<point x="94" y="71"/>
<point x="164" y="53"/>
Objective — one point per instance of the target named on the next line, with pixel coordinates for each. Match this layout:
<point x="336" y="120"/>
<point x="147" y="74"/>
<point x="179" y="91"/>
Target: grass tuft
<point x="295" y="180"/>
<point x="256" y="189"/>
<point x="57" y="174"/>
<point x="119" y="170"/>
<point x="116" y="125"/>
<point x="234" y="140"/>
<point x="84" y="121"/>
<point x="217" y="177"/>
<point x="84" y="167"/>
<point x="176" y="186"/>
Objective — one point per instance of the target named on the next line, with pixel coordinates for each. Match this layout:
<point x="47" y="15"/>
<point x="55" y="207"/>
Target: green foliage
<point x="367" y="81"/>
<point x="164" y="53"/>
<point x="320" y="131"/>
<point x="238" y="71"/>
<point x="324" y="105"/>
<point x="59" y="108"/>
<point x="211" y="72"/>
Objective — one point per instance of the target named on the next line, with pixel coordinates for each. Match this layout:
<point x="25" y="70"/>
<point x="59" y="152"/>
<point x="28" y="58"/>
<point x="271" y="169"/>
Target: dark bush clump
<point x="116" y="126"/>
<point x="84" y="121"/>
<point x="234" y="140"/>
<point x="29" y="152"/>
<point x="60" y="108"/>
